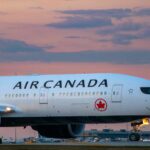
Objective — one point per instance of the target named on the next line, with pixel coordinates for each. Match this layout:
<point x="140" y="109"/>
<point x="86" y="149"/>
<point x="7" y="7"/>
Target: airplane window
<point x="105" y="93"/>
<point x="145" y="90"/>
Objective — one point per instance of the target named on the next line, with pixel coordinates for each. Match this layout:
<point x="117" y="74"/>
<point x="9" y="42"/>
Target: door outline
<point x="117" y="96"/>
<point x="43" y="96"/>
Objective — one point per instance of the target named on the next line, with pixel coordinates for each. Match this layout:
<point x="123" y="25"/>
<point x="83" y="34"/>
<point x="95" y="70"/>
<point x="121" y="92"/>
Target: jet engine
<point x="60" y="131"/>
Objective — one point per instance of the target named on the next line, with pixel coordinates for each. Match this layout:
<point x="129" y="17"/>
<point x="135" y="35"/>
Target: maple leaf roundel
<point x="100" y="104"/>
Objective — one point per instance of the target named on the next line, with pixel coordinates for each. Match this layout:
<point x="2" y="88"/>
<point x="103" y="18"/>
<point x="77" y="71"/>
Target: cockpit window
<point x="145" y="90"/>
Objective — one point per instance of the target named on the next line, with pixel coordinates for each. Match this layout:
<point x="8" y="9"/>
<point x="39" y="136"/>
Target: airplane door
<point x="116" y="95"/>
<point x="43" y="96"/>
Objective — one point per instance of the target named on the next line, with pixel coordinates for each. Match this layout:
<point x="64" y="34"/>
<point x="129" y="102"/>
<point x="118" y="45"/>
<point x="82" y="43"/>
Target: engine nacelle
<point x="60" y="131"/>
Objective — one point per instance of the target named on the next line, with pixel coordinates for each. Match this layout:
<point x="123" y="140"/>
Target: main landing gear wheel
<point x="134" y="137"/>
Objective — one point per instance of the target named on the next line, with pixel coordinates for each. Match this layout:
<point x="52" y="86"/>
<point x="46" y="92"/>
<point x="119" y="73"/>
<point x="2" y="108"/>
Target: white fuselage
<point x="74" y="98"/>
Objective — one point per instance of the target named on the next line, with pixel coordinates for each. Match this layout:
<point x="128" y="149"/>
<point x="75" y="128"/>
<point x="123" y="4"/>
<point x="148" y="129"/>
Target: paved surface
<point x="96" y="146"/>
<point x="124" y="143"/>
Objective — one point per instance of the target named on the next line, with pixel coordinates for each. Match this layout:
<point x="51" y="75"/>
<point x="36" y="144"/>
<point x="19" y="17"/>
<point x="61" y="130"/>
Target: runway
<point x="70" y="146"/>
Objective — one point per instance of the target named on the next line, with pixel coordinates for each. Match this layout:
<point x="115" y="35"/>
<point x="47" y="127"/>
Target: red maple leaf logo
<point x="101" y="105"/>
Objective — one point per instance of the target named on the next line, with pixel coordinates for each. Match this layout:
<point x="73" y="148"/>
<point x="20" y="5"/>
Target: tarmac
<point x="85" y="146"/>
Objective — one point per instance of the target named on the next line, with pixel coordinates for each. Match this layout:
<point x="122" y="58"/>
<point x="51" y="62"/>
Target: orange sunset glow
<point x="74" y="36"/>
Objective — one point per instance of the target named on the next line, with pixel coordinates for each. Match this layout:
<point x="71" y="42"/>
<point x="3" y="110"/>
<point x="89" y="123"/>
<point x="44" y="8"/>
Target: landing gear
<point x="135" y="135"/>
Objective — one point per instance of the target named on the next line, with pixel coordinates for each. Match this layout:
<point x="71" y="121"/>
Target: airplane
<point x="59" y="106"/>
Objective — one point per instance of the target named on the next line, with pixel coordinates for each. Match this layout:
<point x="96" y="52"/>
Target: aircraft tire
<point x="134" y="137"/>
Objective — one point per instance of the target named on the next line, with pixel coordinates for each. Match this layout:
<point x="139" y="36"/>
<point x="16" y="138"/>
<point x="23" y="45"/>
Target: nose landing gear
<point x="135" y="135"/>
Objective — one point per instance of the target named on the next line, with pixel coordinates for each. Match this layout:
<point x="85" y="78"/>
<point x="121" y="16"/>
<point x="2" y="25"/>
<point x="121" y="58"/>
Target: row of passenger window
<point x="16" y="95"/>
<point x="82" y="93"/>
<point x="55" y="94"/>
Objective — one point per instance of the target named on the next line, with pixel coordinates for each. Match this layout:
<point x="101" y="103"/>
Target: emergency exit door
<point x="116" y="93"/>
<point x="43" y="96"/>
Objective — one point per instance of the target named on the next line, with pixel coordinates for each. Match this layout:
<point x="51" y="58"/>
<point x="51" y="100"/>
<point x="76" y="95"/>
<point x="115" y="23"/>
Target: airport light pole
<point x="15" y="135"/>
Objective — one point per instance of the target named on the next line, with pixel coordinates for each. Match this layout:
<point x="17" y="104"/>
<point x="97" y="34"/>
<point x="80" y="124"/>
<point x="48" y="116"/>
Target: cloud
<point x="81" y="22"/>
<point x="145" y="34"/>
<point x="14" y="46"/>
<point x="99" y="18"/>
<point x="115" y="13"/>
<point x="124" y="39"/>
<point x="125" y="33"/>
<point x="90" y="18"/>
<point x="72" y="37"/>
<point x="142" y="12"/>
<point x="18" y="51"/>
<point x="123" y="27"/>
<point x="112" y="13"/>
<point x="123" y="36"/>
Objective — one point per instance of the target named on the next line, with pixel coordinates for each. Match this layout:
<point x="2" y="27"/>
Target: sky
<point x="75" y="36"/>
